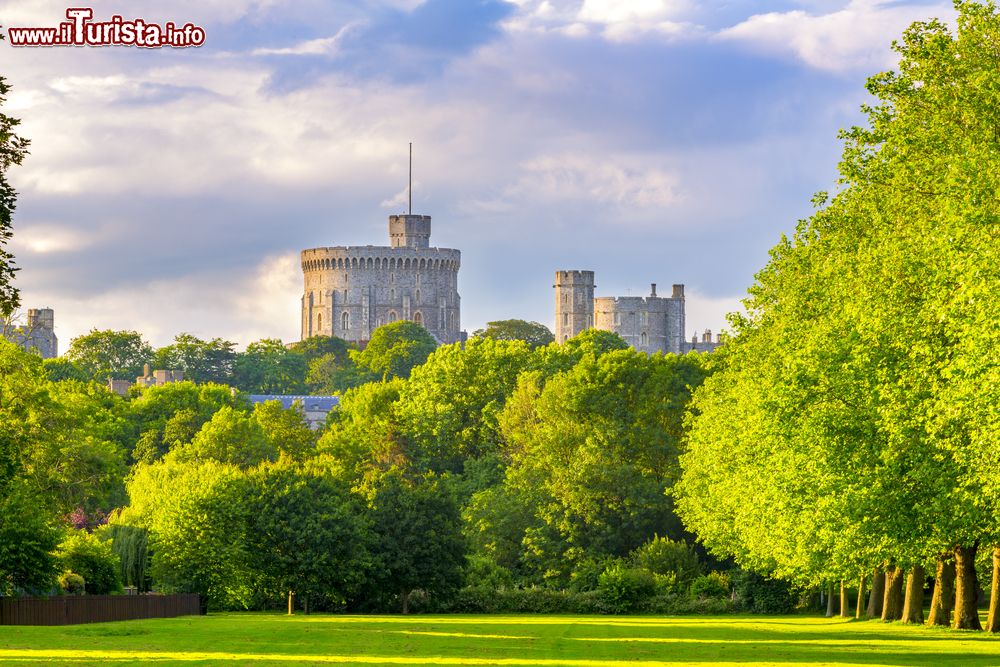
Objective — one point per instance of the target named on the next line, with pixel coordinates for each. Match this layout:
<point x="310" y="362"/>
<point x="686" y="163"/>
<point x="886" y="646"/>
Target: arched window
<point x="345" y="321"/>
<point x="643" y="339"/>
<point x="392" y="316"/>
<point x="319" y="321"/>
<point x="418" y="296"/>
<point x="418" y="318"/>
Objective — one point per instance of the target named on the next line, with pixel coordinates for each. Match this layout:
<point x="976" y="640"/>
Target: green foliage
<point x="394" y="350"/>
<point x="364" y="431"/>
<point x="110" y="354"/>
<point x="202" y="361"/>
<point x="304" y="533"/>
<point x="711" y="585"/>
<point x="322" y="346"/>
<point x="27" y="538"/>
<point x="131" y="545"/>
<point x="230" y="436"/>
<point x="93" y="559"/>
<point x="416" y="538"/>
<point x="61" y="368"/>
<point x="13" y="149"/>
<point x="482" y="572"/>
<point x="663" y="556"/>
<point x="332" y="374"/>
<point x="623" y="589"/>
<point x="761" y="595"/>
<point x="268" y="367"/>
<point x="532" y="333"/>
<point x="72" y="583"/>
<point x="286" y="430"/>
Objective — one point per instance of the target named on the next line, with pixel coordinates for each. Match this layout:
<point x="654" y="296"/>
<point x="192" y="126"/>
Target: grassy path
<point x="519" y="641"/>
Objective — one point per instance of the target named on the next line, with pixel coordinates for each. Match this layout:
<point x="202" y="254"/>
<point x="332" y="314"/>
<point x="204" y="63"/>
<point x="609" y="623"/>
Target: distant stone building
<point x="647" y="323"/>
<point x="37" y="334"/>
<point x="155" y="378"/>
<point x="349" y="291"/>
<point x="706" y="343"/>
<point x="314" y="409"/>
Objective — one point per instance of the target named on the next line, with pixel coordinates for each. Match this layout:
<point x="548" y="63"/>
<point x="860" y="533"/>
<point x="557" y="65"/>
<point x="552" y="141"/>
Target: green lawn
<point x="581" y="641"/>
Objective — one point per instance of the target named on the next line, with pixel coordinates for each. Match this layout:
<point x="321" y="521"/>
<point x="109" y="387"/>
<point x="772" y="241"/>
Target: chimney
<point x="707" y="336"/>
<point x="678" y="292"/>
<point x="652" y="289"/>
<point x="718" y="338"/>
<point x="145" y="370"/>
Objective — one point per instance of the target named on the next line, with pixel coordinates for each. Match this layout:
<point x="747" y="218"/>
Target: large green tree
<point x="13" y="149"/>
<point x="394" y="350"/>
<point x="110" y="354"/>
<point x="202" y="361"/>
<point x="532" y="333"/>
<point x="268" y="367"/>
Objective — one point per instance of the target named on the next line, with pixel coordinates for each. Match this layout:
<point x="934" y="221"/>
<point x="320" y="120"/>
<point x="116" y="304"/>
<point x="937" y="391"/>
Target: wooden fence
<point x="73" y="609"/>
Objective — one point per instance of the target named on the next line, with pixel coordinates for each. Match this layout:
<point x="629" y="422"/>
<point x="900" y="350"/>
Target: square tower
<point x="574" y="303"/>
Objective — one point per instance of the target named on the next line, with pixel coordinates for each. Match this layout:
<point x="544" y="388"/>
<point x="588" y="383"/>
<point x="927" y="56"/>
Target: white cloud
<point x="622" y="181"/>
<point x="615" y="20"/>
<point x="43" y="238"/>
<point x="235" y="306"/>
<point x="855" y="37"/>
<point x="313" y="47"/>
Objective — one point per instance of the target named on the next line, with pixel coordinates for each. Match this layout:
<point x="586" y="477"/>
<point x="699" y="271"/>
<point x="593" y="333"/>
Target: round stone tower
<point x="349" y="291"/>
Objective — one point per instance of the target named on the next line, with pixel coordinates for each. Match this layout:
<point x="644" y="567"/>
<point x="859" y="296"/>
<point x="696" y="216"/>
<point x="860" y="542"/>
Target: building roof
<point x="309" y="403"/>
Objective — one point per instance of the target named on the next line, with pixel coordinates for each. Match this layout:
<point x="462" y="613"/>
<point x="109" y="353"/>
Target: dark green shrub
<point x="760" y="595"/>
<point x="483" y="572"/>
<point x="714" y="585"/>
<point x="71" y="583"/>
<point x="663" y="556"/>
<point x="623" y="588"/>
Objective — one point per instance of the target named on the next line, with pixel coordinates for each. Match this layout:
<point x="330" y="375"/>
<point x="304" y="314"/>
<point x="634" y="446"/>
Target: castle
<point x="349" y="291"/>
<point x="38" y="334"/>
<point x="649" y="324"/>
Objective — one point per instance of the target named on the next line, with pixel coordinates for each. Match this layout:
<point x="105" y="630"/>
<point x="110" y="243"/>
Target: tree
<point x="13" y="150"/>
<point x="321" y="346"/>
<point x="305" y="533"/>
<point x="332" y="374"/>
<point x="202" y="361"/>
<point x="110" y="354"/>
<point x="268" y="367"/>
<point x="61" y="368"/>
<point x="93" y="559"/>
<point x="229" y="437"/>
<point x="532" y="333"/>
<point x="287" y="430"/>
<point x="417" y="537"/>
<point x="28" y="536"/>
<point x="394" y="350"/>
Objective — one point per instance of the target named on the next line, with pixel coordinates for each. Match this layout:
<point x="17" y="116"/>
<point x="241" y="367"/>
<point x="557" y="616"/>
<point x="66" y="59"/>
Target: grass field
<point x="574" y="641"/>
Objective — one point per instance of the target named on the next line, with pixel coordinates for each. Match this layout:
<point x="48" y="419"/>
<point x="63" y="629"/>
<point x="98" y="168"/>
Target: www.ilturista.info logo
<point x="80" y="30"/>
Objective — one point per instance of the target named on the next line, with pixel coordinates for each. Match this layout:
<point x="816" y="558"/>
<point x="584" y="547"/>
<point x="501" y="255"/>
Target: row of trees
<point x="850" y="431"/>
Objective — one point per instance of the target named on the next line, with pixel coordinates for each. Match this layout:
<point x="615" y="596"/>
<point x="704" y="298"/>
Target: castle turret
<point x="574" y="303"/>
<point x="410" y="231"/>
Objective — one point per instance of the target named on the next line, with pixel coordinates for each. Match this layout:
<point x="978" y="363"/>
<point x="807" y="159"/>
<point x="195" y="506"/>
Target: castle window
<point x="418" y="318"/>
<point x="643" y="318"/>
<point x="392" y="294"/>
<point x="643" y="339"/>
<point x="319" y="321"/>
<point x="345" y="321"/>
<point x="392" y="277"/>
<point x="565" y="319"/>
<point x="418" y="294"/>
<point x="590" y="321"/>
<point x="392" y="316"/>
<point x="618" y="319"/>
<point x="565" y="297"/>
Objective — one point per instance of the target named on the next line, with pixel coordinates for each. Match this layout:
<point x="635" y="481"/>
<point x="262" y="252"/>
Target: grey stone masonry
<point x="349" y="291"/>
<point x="648" y="323"/>
<point x="37" y="334"/>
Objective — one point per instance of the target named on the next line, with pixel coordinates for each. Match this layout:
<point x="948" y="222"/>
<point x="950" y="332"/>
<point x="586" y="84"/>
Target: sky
<point x="650" y="141"/>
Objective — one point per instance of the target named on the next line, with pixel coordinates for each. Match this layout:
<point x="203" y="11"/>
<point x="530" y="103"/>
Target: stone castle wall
<point x="574" y="303"/>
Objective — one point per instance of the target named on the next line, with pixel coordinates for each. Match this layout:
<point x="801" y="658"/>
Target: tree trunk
<point x="993" y="621"/>
<point x="861" y="598"/>
<point x="966" y="589"/>
<point x="892" y="604"/>
<point x="943" y="599"/>
<point x="291" y="602"/>
<point x="406" y="601"/>
<point x="844" y="601"/>
<point x="829" y="599"/>
<point x="913" y="605"/>
<point x="305" y="604"/>
<point x="877" y="595"/>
